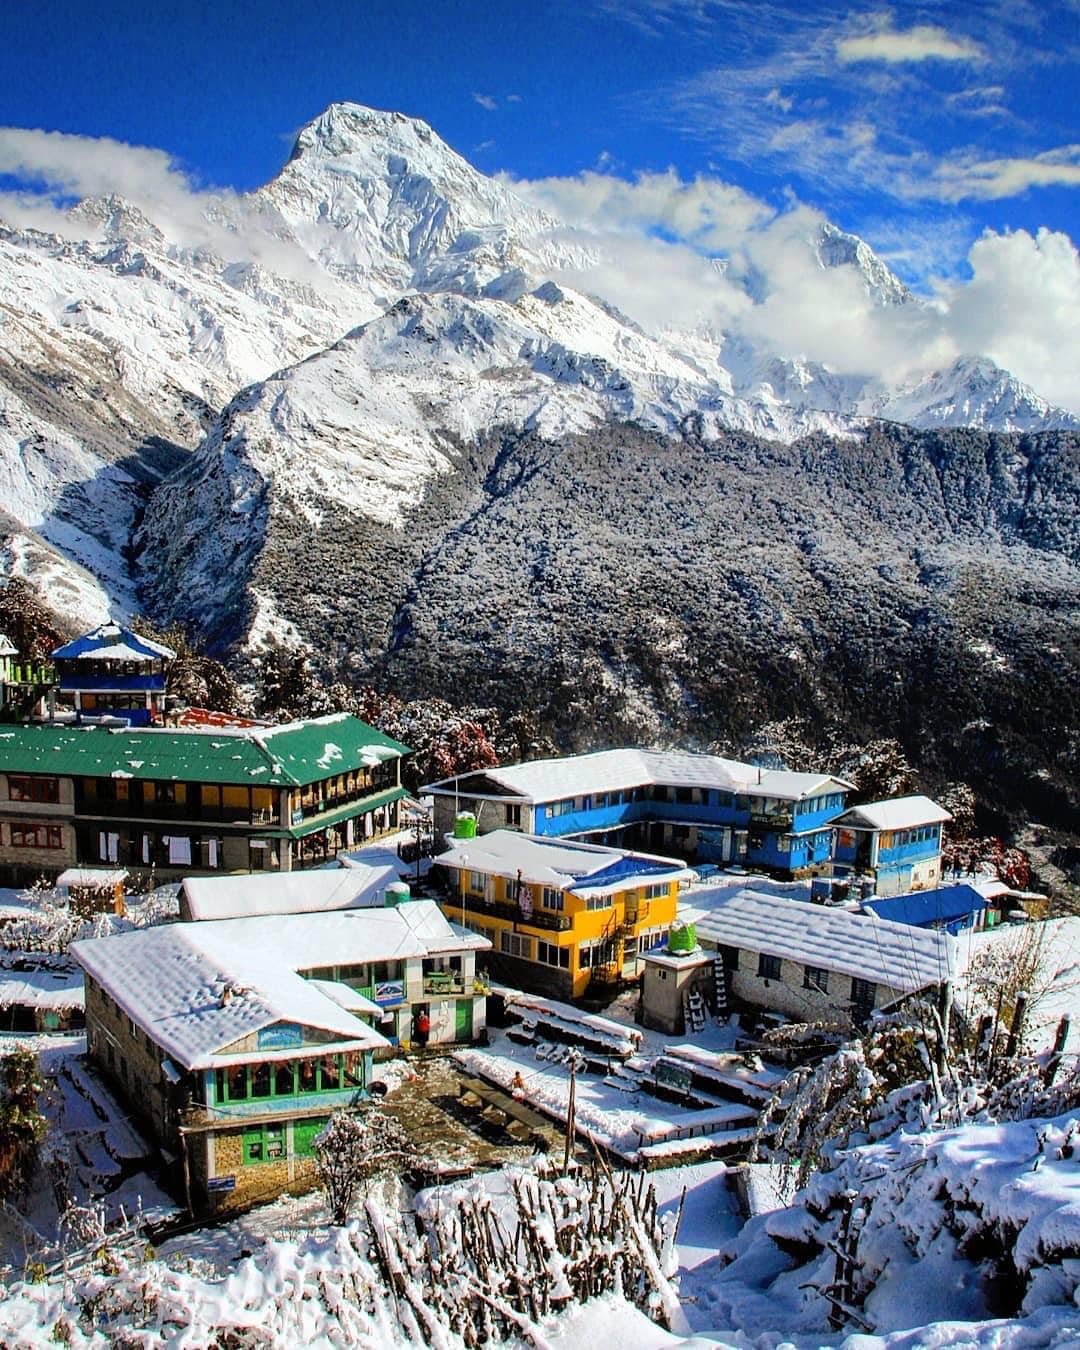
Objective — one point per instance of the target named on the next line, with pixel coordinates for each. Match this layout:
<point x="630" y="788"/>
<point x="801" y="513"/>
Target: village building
<point x="313" y="892"/>
<point x="953" y="909"/>
<point x="40" y="991"/>
<point x="561" y="916"/>
<point x="701" y="807"/>
<point x="234" y="1040"/>
<point x="777" y="955"/>
<point x="112" y="672"/>
<point x="25" y="683"/>
<point x="896" y="843"/>
<point x="192" y="799"/>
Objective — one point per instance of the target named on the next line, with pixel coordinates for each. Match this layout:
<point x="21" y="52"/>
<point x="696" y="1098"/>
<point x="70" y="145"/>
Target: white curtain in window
<point x="179" y="850"/>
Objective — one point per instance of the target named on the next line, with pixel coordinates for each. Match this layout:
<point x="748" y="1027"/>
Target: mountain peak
<point x="344" y="128"/>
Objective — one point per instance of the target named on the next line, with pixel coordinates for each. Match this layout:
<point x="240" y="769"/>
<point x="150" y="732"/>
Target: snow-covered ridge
<point x="122" y="342"/>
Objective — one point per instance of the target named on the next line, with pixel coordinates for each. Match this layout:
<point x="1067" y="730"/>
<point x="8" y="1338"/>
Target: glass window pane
<point x="331" y="1074"/>
<point x="284" y="1079"/>
<point x="260" y="1080"/>
<point x="238" y="1083"/>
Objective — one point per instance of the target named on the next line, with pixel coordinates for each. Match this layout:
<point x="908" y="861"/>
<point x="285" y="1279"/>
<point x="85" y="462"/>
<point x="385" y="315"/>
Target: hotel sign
<point x="284" y="1036"/>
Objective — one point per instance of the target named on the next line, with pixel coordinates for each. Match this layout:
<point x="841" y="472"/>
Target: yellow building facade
<point x="563" y="918"/>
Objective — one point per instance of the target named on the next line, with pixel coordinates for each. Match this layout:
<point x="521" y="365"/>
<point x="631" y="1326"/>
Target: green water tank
<point x="682" y="938"/>
<point x="397" y="893"/>
<point x="464" y="825"/>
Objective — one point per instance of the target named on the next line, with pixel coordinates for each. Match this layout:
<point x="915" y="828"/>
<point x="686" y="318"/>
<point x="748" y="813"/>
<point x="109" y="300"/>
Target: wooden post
<point x="1016" y="1031"/>
<point x="570" y="1113"/>
<point x="1061" y="1039"/>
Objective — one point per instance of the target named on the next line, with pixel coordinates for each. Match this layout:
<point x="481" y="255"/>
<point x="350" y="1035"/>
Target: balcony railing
<point x="446" y="982"/>
<point x="501" y="909"/>
<point x="186" y="811"/>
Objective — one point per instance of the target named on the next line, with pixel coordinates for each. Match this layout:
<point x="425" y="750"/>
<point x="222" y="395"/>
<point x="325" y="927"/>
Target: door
<point x="463" y="1018"/>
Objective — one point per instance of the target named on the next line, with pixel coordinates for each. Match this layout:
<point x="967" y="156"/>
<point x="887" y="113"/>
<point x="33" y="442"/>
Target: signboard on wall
<point x="283" y="1036"/>
<point x="390" y="991"/>
<point x="221" y="1184"/>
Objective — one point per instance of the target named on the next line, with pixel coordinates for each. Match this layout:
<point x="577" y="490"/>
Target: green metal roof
<point x="285" y="756"/>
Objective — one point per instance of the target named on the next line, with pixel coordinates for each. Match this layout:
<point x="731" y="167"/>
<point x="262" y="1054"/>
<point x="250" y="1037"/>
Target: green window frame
<point x="264" y="1144"/>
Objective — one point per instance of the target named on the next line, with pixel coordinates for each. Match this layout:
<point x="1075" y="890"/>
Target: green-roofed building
<point x="193" y="799"/>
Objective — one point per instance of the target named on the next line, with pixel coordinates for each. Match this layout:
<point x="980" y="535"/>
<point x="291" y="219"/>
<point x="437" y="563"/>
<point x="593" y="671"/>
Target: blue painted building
<point x="113" y="672"/>
<point x="896" y="843"/>
<point x="949" y="909"/>
<point x="702" y="807"/>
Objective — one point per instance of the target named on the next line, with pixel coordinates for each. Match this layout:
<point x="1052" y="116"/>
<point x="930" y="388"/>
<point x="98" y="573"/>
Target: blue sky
<point x="917" y="126"/>
<point x="946" y="134"/>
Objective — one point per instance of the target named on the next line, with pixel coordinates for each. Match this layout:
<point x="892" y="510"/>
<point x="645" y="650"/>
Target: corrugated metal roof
<point x="860" y="945"/>
<point x="941" y="907"/>
<point x="111" y="642"/>
<point x="172" y="980"/>
<point x="545" y="780"/>
<point x="556" y="862"/>
<point x="309" y="892"/>
<point x="283" y="756"/>
<point x="895" y="813"/>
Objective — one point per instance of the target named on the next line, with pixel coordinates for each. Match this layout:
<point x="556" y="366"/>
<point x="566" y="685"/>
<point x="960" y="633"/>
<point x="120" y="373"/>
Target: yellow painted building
<point x="561" y="916"/>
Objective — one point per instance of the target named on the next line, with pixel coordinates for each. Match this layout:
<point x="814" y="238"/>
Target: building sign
<point x="221" y="1184"/>
<point x="284" y="1036"/>
<point x="390" y="991"/>
<point x="297" y="817"/>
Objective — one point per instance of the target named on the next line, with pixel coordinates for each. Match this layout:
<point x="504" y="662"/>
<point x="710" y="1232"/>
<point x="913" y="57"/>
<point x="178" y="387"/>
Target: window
<point x="593" y="954"/>
<point x="284" y="1078"/>
<point x="264" y="1143"/>
<point x="563" y="808"/>
<point x="816" y="977"/>
<point x="476" y="883"/>
<point x="26" y="789"/>
<point x="684" y="795"/>
<point x="598" y="902"/>
<point x="768" y="967"/>
<point x="656" y="892"/>
<point x="516" y="944"/>
<point x="653" y="937"/>
<point x="513" y="815"/>
<point x="552" y="898"/>
<point x="551" y="955"/>
<point x="37" y="836"/>
<point x="863" y="993"/>
<point x="729" y="956"/>
<point x="260" y="1080"/>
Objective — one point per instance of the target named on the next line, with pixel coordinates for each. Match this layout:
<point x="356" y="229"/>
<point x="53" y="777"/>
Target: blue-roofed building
<point x="113" y="672"/>
<point x="896" y="842"/>
<point x="949" y="909"/>
<point x="704" y="807"/>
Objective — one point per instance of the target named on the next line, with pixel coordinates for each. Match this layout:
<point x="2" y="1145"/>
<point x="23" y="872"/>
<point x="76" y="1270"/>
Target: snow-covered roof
<point x="110" y="642"/>
<point x="892" y="954"/>
<point x="197" y="988"/>
<point x="558" y="863"/>
<point x="40" y="985"/>
<point x="92" y="878"/>
<point x="7" y="647"/>
<point x="896" y="813"/>
<point x="237" y="897"/>
<point x="545" y="780"/>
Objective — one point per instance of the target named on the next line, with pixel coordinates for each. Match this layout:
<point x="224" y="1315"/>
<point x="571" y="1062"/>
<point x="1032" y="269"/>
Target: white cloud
<point x="486" y="102"/>
<point x="66" y="167"/>
<point x="966" y="179"/>
<point x="924" y="42"/>
<point x="1022" y="307"/>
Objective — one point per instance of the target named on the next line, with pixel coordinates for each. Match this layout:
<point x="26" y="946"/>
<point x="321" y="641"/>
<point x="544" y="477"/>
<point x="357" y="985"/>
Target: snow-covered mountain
<point x="323" y="339"/>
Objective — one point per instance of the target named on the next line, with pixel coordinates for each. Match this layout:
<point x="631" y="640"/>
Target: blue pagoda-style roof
<point x="111" y="642"/>
<point x="949" y="907"/>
